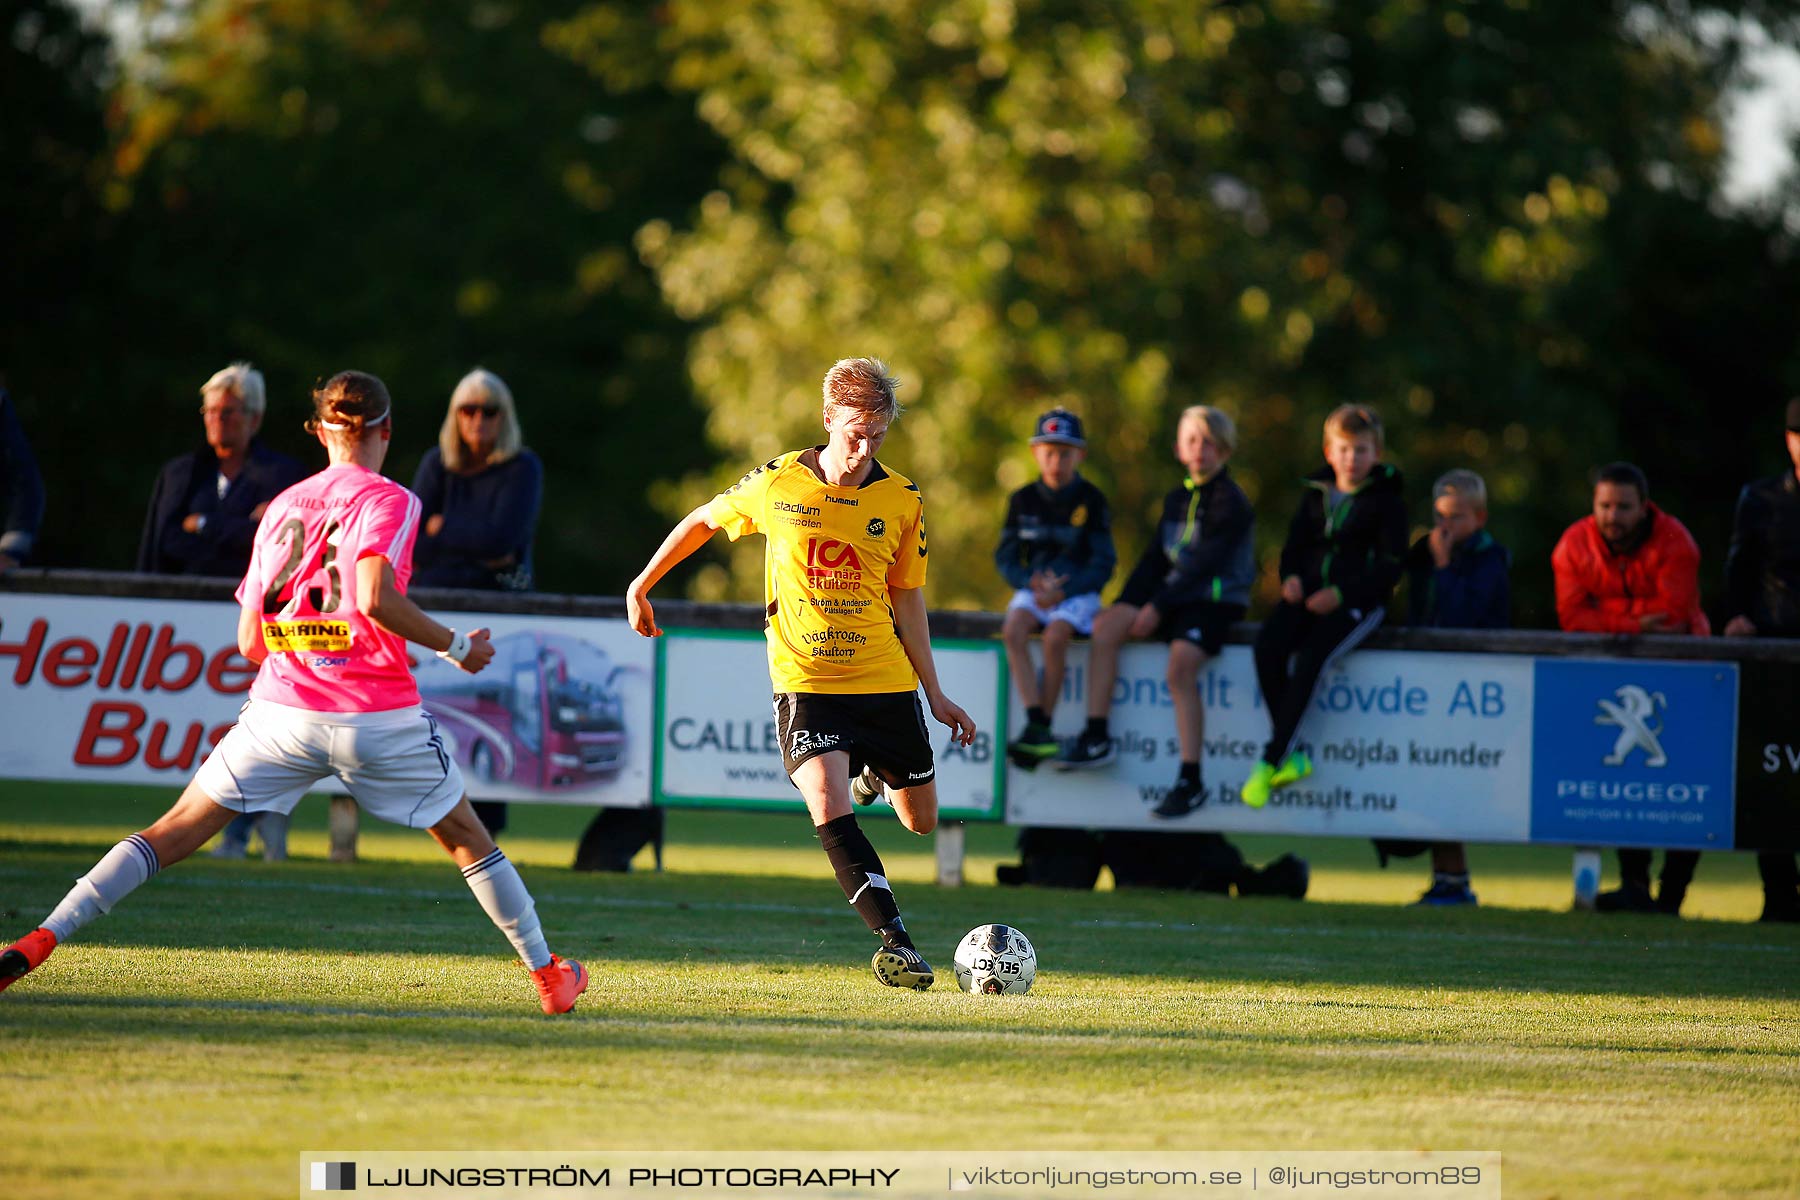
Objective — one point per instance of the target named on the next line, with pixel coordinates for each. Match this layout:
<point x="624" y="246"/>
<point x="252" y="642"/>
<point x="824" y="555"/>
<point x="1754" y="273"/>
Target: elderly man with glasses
<point x="206" y="504"/>
<point x="203" y="516"/>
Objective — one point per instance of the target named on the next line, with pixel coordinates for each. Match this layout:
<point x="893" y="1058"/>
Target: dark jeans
<point x="1780" y="873"/>
<point x="1313" y="643"/>
<point x="1677" y="872"/>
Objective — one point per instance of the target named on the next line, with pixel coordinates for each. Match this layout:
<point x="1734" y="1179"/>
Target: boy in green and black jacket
<point x="1343" y="556"/>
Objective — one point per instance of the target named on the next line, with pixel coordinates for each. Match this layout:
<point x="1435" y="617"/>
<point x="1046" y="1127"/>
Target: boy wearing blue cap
<point x="1056" y="550"/>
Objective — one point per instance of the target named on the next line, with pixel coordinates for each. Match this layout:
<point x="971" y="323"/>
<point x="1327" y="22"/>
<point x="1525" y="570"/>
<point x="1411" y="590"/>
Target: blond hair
<point x="242" y="381"/>
<point x="478" y="387"/>
<point x="1222" y="428"/>
<point x="863" y="385"/>
<point x="1353" y="421"/>
<point x="1465" y="485"/>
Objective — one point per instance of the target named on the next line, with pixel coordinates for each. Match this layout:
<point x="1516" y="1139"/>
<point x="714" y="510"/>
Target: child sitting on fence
<point x="1339" y="565"/>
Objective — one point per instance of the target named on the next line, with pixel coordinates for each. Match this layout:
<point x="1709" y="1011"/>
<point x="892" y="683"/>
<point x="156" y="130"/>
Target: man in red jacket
<point x="1632" y="568"/>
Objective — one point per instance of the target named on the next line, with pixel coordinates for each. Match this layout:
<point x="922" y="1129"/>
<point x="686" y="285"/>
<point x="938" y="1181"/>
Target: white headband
<point x="339" y="427"/>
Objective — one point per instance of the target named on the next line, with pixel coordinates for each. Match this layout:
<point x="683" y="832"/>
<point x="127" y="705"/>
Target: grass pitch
<point x="230" y="1015"/>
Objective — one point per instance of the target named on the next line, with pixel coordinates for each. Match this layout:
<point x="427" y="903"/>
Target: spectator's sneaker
<point x="1446" y="895"/>
<point x="1628" y="898"/>
<point x="1295" y="767"/>
<point x="866" y="788"/>
<point x="1256" y="789"/>
<point x="1085" y="750"/>
<point x="25" y="956"/>
<point x="559" y="983"/>
<point x="1180" y="800"/>
<point x="901" y="967"/>
<point x="1034" y="744"/>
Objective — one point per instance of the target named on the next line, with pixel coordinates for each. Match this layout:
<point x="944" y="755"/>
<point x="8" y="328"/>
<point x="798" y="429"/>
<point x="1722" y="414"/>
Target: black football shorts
<point x="883" y="730"/>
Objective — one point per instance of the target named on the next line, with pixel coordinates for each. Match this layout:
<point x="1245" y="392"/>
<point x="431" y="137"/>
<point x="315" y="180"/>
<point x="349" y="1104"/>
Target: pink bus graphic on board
<point x="544" y="716"/>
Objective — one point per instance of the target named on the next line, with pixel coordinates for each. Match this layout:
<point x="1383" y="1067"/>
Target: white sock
<point x="114" y="877"/>
<point x="496" y="884"/>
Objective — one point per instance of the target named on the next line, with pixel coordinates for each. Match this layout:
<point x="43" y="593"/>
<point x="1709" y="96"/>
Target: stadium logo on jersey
<point x="805" y="510"/>
<point x="1636" y="715"/>
<point x="877" y="527"/>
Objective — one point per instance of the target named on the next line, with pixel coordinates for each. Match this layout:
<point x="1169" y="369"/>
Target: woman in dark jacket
<point x="481" y="490"/>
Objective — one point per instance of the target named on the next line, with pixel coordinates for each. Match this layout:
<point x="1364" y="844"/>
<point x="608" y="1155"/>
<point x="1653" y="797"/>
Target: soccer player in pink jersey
<point x="324" y="610"/>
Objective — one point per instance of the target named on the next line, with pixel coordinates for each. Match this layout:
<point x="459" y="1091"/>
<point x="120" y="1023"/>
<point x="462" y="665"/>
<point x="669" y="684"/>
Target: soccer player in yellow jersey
<point x="848" y="642"/>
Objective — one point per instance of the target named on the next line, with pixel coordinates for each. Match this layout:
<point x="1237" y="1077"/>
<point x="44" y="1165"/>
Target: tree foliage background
<point x="1498" y="221"/>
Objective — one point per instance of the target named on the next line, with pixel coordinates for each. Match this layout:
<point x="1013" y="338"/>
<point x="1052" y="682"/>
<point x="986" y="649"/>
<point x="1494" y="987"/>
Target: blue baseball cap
<point x="1059" y="427"/>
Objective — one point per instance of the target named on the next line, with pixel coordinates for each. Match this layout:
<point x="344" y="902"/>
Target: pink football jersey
<point x="324" y="654"/>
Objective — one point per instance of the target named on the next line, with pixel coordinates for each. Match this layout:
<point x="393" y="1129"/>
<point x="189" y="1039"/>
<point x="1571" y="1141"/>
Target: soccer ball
<point x="996" y="960"/>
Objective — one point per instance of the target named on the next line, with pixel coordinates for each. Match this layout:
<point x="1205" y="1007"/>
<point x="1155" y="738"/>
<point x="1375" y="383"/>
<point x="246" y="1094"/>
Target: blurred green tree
<point x="411" y="188"/>
<point x="1459" y="212"/>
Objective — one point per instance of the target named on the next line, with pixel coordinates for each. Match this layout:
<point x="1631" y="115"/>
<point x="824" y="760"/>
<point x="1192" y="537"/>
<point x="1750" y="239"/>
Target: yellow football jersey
<point x="833" y="553"/>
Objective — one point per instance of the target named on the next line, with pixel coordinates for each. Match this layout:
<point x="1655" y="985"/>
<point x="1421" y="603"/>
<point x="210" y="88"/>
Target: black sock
<point x="1037" y="716"/>
<point x="1190" y="772"/>
<point x="1096" y="728"/>
<point x="861" y="875"/>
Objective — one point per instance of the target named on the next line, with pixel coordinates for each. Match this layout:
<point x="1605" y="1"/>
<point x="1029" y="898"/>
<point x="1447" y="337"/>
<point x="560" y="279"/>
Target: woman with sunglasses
<point x="482" y="490"/>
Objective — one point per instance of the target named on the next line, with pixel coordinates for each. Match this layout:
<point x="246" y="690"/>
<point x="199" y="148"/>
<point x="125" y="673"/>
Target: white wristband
<point x="458" y="649"/>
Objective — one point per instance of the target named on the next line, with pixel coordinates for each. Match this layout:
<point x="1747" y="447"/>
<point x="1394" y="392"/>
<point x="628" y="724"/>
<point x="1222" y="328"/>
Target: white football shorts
<point x="1078" y="611"/>
<point x="394" y="763"/>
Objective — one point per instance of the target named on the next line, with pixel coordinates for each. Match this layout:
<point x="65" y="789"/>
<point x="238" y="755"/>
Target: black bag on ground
<point x="1060" y="858"/>
<point x="1196" y="862"/>
<point x="1286" y="876"/>
<point x="614" y="837"/>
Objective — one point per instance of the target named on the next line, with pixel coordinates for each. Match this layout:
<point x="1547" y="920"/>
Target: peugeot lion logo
<point x="1635" y="713"/>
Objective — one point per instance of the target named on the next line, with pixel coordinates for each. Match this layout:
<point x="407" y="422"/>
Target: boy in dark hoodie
<point x="1458" y="577"/>
<point x="1342" y="558"/>
<point x="1191" y="583"/>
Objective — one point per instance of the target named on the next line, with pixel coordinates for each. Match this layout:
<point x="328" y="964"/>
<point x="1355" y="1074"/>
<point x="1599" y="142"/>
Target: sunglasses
<point x="486" y="410"/>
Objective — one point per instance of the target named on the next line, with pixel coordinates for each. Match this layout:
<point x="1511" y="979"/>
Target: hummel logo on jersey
<point x="877" y="526"/>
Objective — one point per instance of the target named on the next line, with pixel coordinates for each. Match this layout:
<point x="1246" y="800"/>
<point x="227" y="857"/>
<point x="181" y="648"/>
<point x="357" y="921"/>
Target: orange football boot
<point x="25" y="956"/>
<point x="559" y="983"/>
